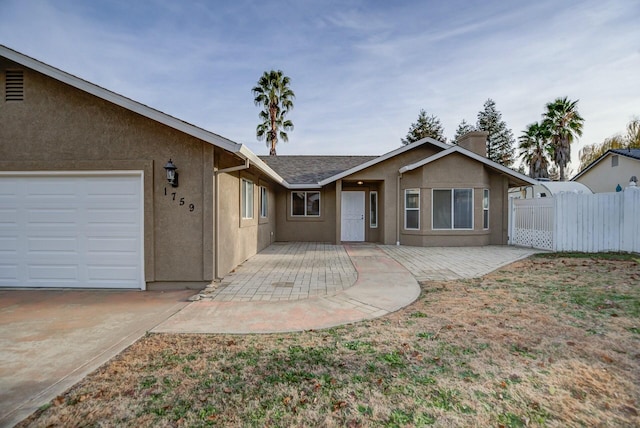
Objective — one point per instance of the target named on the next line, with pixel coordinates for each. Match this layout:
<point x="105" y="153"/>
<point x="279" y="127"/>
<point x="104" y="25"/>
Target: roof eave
<point x="382" y="158"/>
<point x="453" y="149"/>
<point x="245" y="153"/>
<point x="119" y="100"/>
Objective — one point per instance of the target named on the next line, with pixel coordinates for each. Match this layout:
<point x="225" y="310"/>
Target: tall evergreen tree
<point x="500" y="140"/>
<point x="275" y="97"/>
<point x="425" y="126"/>
<point x="464" y="128"/>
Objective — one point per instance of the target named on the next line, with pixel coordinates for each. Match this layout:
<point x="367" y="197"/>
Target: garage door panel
<point x="111" y="273"/>
<point x="8" y="245"/>
<point x="111" y="216"/>
<point x="51" y="217"/>
<point x="112" y="245"/>
<point x="8" y="271"/>
<point x="71" y="231"/>
<point x="8" y="216"/>
<point x="52" y="244"/>
<point x="52" y="272"/>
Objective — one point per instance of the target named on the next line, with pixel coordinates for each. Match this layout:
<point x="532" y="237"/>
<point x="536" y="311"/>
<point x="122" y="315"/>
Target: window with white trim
<point x="452" y="209"/>
<point x="485" y="208"/>
<point x="264" y="202"/>
<point x="373" y="209"/>
<point x="247" y="198"/>
<point x="305" y="204"/>
<point x="412" y="209"/>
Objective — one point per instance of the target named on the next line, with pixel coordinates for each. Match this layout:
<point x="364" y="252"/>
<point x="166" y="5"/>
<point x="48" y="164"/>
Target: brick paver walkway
<point x="300" y="270"/>
<point x="287" y="271"/>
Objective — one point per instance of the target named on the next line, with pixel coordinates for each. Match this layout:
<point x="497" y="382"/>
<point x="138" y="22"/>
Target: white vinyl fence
<point x="577" y="222"/>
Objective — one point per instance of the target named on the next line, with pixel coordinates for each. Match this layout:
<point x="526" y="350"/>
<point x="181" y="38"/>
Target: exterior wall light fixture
<point x="360" y="183"/>
<point x="172" y="175"/>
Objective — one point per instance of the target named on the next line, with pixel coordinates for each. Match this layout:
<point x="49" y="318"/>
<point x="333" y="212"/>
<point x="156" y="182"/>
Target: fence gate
<point x="531" y="223"/>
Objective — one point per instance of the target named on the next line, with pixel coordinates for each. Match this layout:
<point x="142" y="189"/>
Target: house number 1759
<point x="174" y="197"/>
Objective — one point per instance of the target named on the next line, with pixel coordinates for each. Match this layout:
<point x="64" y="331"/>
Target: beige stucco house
<point x="85" y="199"/>
<point x="614" y="168"/>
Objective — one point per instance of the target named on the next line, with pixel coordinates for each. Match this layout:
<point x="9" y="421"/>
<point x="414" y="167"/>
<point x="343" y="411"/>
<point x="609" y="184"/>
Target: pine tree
<point x="463" y="128"/>
<point x="500" y="140"/>
<point x="425" y="126"/>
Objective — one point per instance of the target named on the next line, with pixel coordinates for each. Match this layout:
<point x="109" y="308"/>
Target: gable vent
<point x="14" y="85"/>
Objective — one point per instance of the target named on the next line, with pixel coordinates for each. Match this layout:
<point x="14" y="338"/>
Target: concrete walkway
<point x="383" y="285"/>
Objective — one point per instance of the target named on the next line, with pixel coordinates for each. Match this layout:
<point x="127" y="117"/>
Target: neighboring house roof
<point x="630" y="153"/>
<point x="312" y="169"/>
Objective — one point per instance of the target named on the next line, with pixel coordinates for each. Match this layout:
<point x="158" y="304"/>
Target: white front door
<point x="352" y="216"/>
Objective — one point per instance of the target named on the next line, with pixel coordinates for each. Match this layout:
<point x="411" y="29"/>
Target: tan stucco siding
<point x="241" y="238"/>
<point x="453" y="171"/>
<point x="60" y="128"/>
<point x="318" y="229"/>
<point x="384" y="175"/>
<point x="604" y="177"/>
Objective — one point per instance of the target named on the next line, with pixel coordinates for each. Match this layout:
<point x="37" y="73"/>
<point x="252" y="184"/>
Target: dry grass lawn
<point x="548" y="341"/>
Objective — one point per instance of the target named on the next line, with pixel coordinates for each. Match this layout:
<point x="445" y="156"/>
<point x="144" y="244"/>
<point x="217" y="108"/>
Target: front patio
<point x="302" y="270"/>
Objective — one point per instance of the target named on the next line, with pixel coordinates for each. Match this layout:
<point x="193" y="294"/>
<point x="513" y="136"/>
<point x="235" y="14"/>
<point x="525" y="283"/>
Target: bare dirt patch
<point x="548" y="341"/>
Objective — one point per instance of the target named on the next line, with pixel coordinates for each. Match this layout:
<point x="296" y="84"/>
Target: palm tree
<point x="534" y="150"/>
<point x="564" y="124"/>
<point x="276" y="98"/>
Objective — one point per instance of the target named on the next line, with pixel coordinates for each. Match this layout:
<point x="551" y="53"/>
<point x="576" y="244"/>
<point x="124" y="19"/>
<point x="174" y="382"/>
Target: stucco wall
<point x="318" y="229"/>
<point x="604" y="177"/>
<point x="60" y="128"/>
<point x="240" y="238"/>
<point x="453" y="171"/>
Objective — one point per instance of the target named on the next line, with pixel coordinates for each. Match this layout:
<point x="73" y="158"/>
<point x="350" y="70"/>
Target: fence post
<point x="630" y="225"/>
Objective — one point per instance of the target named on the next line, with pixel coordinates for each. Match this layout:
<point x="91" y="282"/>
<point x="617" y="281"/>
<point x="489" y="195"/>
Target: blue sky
<point x="361" y="70"/>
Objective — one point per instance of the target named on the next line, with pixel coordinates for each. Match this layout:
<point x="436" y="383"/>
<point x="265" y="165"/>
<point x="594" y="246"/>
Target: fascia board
<point x="245" y="153"/>
<point x="303" y="186"/>
<point x="383" y="158"/>
<point x="119" y="100"/>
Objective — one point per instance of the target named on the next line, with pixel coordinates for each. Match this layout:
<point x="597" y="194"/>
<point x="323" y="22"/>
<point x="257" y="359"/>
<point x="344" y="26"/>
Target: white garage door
<point x="81" y="231"/>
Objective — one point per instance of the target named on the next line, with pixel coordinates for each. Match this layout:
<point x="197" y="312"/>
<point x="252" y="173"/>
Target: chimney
<point x="475" y="141"/>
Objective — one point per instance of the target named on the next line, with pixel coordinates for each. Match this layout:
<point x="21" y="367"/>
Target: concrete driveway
<point x="51" y="339"/>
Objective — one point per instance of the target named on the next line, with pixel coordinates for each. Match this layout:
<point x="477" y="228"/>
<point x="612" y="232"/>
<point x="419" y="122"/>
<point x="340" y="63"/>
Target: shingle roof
<point x="632" y="153"/>
<point x="312" y="169"/>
